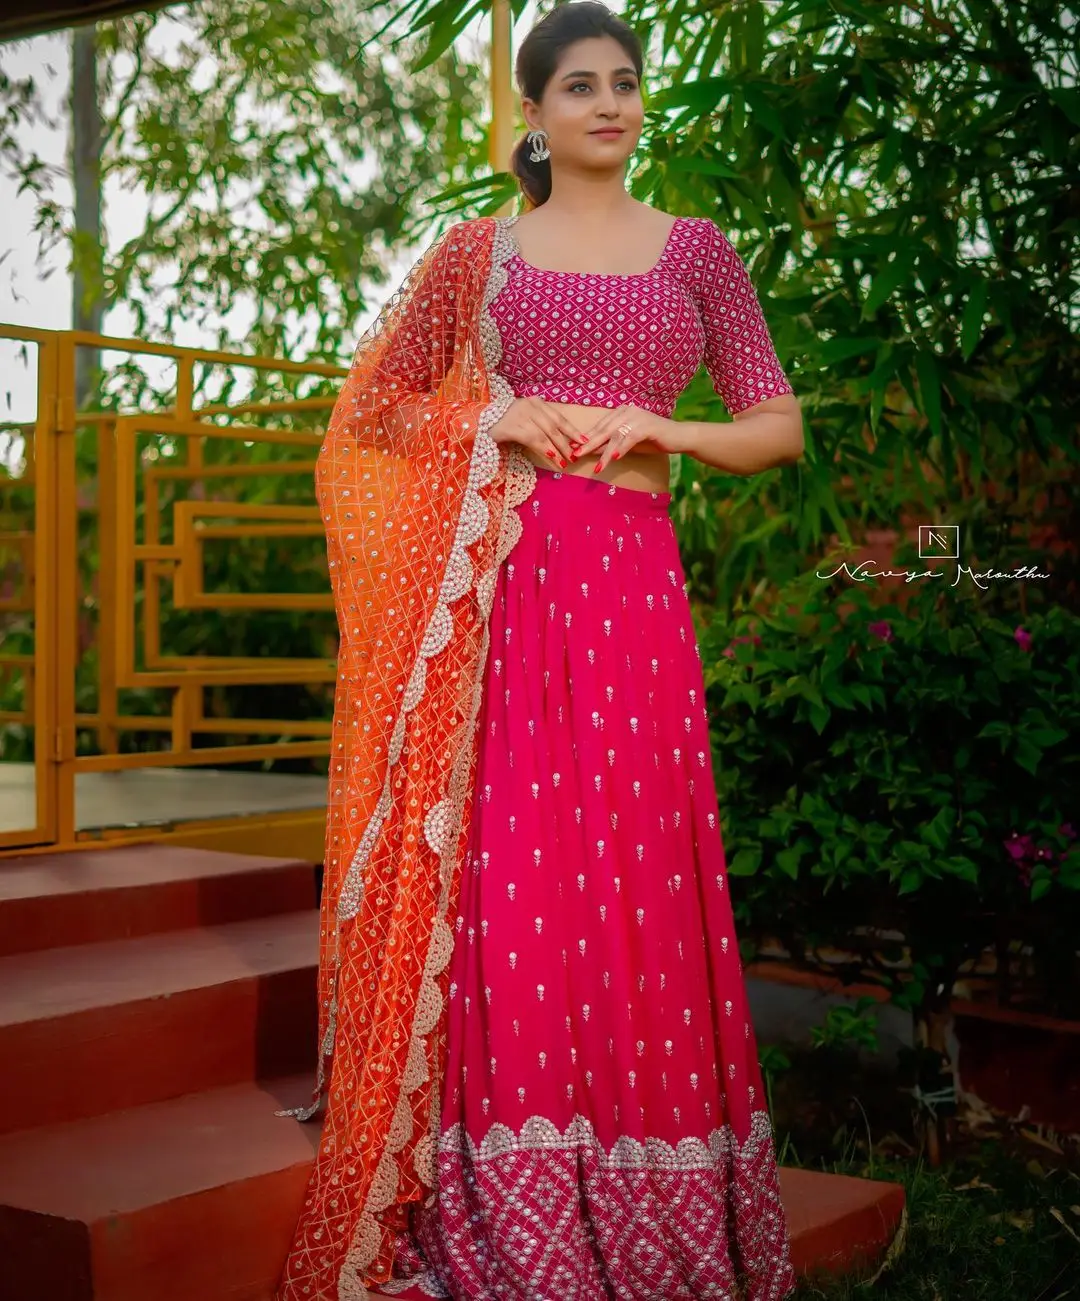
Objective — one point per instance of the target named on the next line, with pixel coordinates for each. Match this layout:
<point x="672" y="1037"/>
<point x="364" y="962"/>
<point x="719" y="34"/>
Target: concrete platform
<point x="149" y="797"/>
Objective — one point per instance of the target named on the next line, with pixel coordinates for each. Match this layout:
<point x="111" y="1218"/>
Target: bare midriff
<point x="646" y="468"/>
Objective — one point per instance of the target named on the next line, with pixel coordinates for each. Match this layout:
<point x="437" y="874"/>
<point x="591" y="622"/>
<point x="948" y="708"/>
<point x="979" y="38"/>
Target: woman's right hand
<point x="537" y="424"/>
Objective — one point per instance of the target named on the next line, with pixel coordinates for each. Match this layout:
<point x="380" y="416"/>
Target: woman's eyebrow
<point x="581" y="73"/>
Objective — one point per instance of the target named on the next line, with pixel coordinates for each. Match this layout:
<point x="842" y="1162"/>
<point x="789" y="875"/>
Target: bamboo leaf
<point x="929" y="388"/>
<point x="971" y="324"/>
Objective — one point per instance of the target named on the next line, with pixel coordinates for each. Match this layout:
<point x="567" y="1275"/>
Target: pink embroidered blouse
<point x="608" y="340"/>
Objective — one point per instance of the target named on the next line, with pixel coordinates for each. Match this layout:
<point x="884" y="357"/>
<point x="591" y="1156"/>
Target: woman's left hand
<point x="639" y="427"/>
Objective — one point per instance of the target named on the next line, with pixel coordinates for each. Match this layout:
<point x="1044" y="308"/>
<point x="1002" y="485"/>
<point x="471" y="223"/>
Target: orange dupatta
<point x="416" y="499"/>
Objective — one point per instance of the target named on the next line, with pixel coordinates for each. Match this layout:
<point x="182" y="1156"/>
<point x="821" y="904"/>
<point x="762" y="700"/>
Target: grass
<point x="997" y="1220"/>
<point x="987" y="1228"/>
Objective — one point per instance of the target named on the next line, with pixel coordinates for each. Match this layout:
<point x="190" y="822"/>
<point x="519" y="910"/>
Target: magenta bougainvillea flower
<point x="881" y="629"/>
<point x="1023" y="639"/>
<point x="1020" y="848"/>
<point x="729" y="651"/>
<point x="1025" y="853"/>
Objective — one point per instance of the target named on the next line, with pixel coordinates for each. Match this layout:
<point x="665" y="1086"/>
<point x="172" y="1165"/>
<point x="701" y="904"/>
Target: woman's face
<point x="594" y="86"/>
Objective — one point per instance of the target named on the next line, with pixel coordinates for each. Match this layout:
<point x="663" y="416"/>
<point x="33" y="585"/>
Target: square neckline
<point x="592" y="275"/>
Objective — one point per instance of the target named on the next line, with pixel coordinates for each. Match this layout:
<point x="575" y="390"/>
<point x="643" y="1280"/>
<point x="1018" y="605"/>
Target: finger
<point x="552" y="437"/>
<point x="594" y="438"/>
<point x="548" y="442"/>
<point x="602" y="431"/>
<point x="617" y="446"/>
<point x="557" y="434"/>
<point x="622" y="443"/>
<point x="558" y="428"/>
<point x="552" y="453"/>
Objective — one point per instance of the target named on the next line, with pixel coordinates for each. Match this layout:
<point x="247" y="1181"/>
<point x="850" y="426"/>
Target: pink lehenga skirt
<point x="604" y="1132"/>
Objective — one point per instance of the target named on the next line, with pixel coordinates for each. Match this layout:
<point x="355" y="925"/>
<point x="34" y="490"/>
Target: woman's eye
<point x="630" y="85"/>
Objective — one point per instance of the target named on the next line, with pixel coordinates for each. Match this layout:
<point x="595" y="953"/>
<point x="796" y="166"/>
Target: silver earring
<point x="538" y="140"/>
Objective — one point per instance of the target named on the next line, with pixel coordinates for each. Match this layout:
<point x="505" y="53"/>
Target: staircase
<point x="157" y="1007"/>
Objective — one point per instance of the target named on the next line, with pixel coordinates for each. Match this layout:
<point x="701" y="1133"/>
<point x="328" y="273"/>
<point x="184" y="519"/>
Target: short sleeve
<point x="739" y="352"/>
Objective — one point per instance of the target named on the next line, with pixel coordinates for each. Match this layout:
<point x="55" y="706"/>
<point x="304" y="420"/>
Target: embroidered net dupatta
<point x="416" y="502"/>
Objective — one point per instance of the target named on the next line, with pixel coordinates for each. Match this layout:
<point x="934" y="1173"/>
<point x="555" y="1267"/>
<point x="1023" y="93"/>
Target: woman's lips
<point x="611" y="132"/>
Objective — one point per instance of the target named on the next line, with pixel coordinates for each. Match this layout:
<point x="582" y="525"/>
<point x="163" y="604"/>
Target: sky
<point x="37" y="292"/>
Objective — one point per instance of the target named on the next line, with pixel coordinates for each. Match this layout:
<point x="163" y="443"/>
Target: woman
<point x="540" y="1077"/>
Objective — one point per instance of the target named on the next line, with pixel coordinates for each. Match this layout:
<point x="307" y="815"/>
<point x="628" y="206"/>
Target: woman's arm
<point x="756" y="439"/>
<point x="766" y="426"/>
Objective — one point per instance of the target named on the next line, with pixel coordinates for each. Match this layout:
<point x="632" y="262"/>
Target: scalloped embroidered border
<point x="442" y="824"/>
<point x="626" y="1153"/>
<point x="457" y="581"/>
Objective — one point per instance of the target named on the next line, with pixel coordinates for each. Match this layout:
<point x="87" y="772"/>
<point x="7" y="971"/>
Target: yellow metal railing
<point x="164" y="562"/>
<point x="155" y="522"/>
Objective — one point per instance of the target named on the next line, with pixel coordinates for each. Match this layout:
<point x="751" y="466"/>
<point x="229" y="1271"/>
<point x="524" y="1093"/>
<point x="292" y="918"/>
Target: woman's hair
<point x="537" y="60"/>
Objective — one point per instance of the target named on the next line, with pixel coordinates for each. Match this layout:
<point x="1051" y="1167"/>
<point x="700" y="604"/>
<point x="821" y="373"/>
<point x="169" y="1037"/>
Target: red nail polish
<point x="562" y="463"/>
<point x="551" y="454"/>
<point x="615" y="456"/>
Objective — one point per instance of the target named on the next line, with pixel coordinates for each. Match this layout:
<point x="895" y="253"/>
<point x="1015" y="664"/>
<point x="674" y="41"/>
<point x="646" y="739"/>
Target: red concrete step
<point x="198" y="1198"/>
<point x="838" y="1224"/>
<point x="51" y="900"/>
<point x="193" y="1198"/>
<point x="98" y="1027"/>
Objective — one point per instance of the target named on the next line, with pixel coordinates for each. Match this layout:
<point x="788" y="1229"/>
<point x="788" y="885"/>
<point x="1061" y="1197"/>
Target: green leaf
<point x="762" y="110"/>
<point x="746" y="862"/>
<point x="926" y="367"/>
<point x="1046" y="736"/>
<point x="971" y="324"/>
<point x="1067" y="98"/>
<point x="836" y="350"/>
<point x="704" y="95"/>
<point x="910" y="881"/>
<point x="698" y="165"/>
<point x="885" y="283"/>
<point x="937" y="831"/>
<point x="965" y="868"/>
<point x="754" y="35"/>
<point x="450" y="21"/>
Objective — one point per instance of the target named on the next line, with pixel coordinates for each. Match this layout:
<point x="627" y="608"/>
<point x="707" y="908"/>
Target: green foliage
<point x="878" y="768"/>
<point x="848" y="1027"/>
<point x="282" y="154"/>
